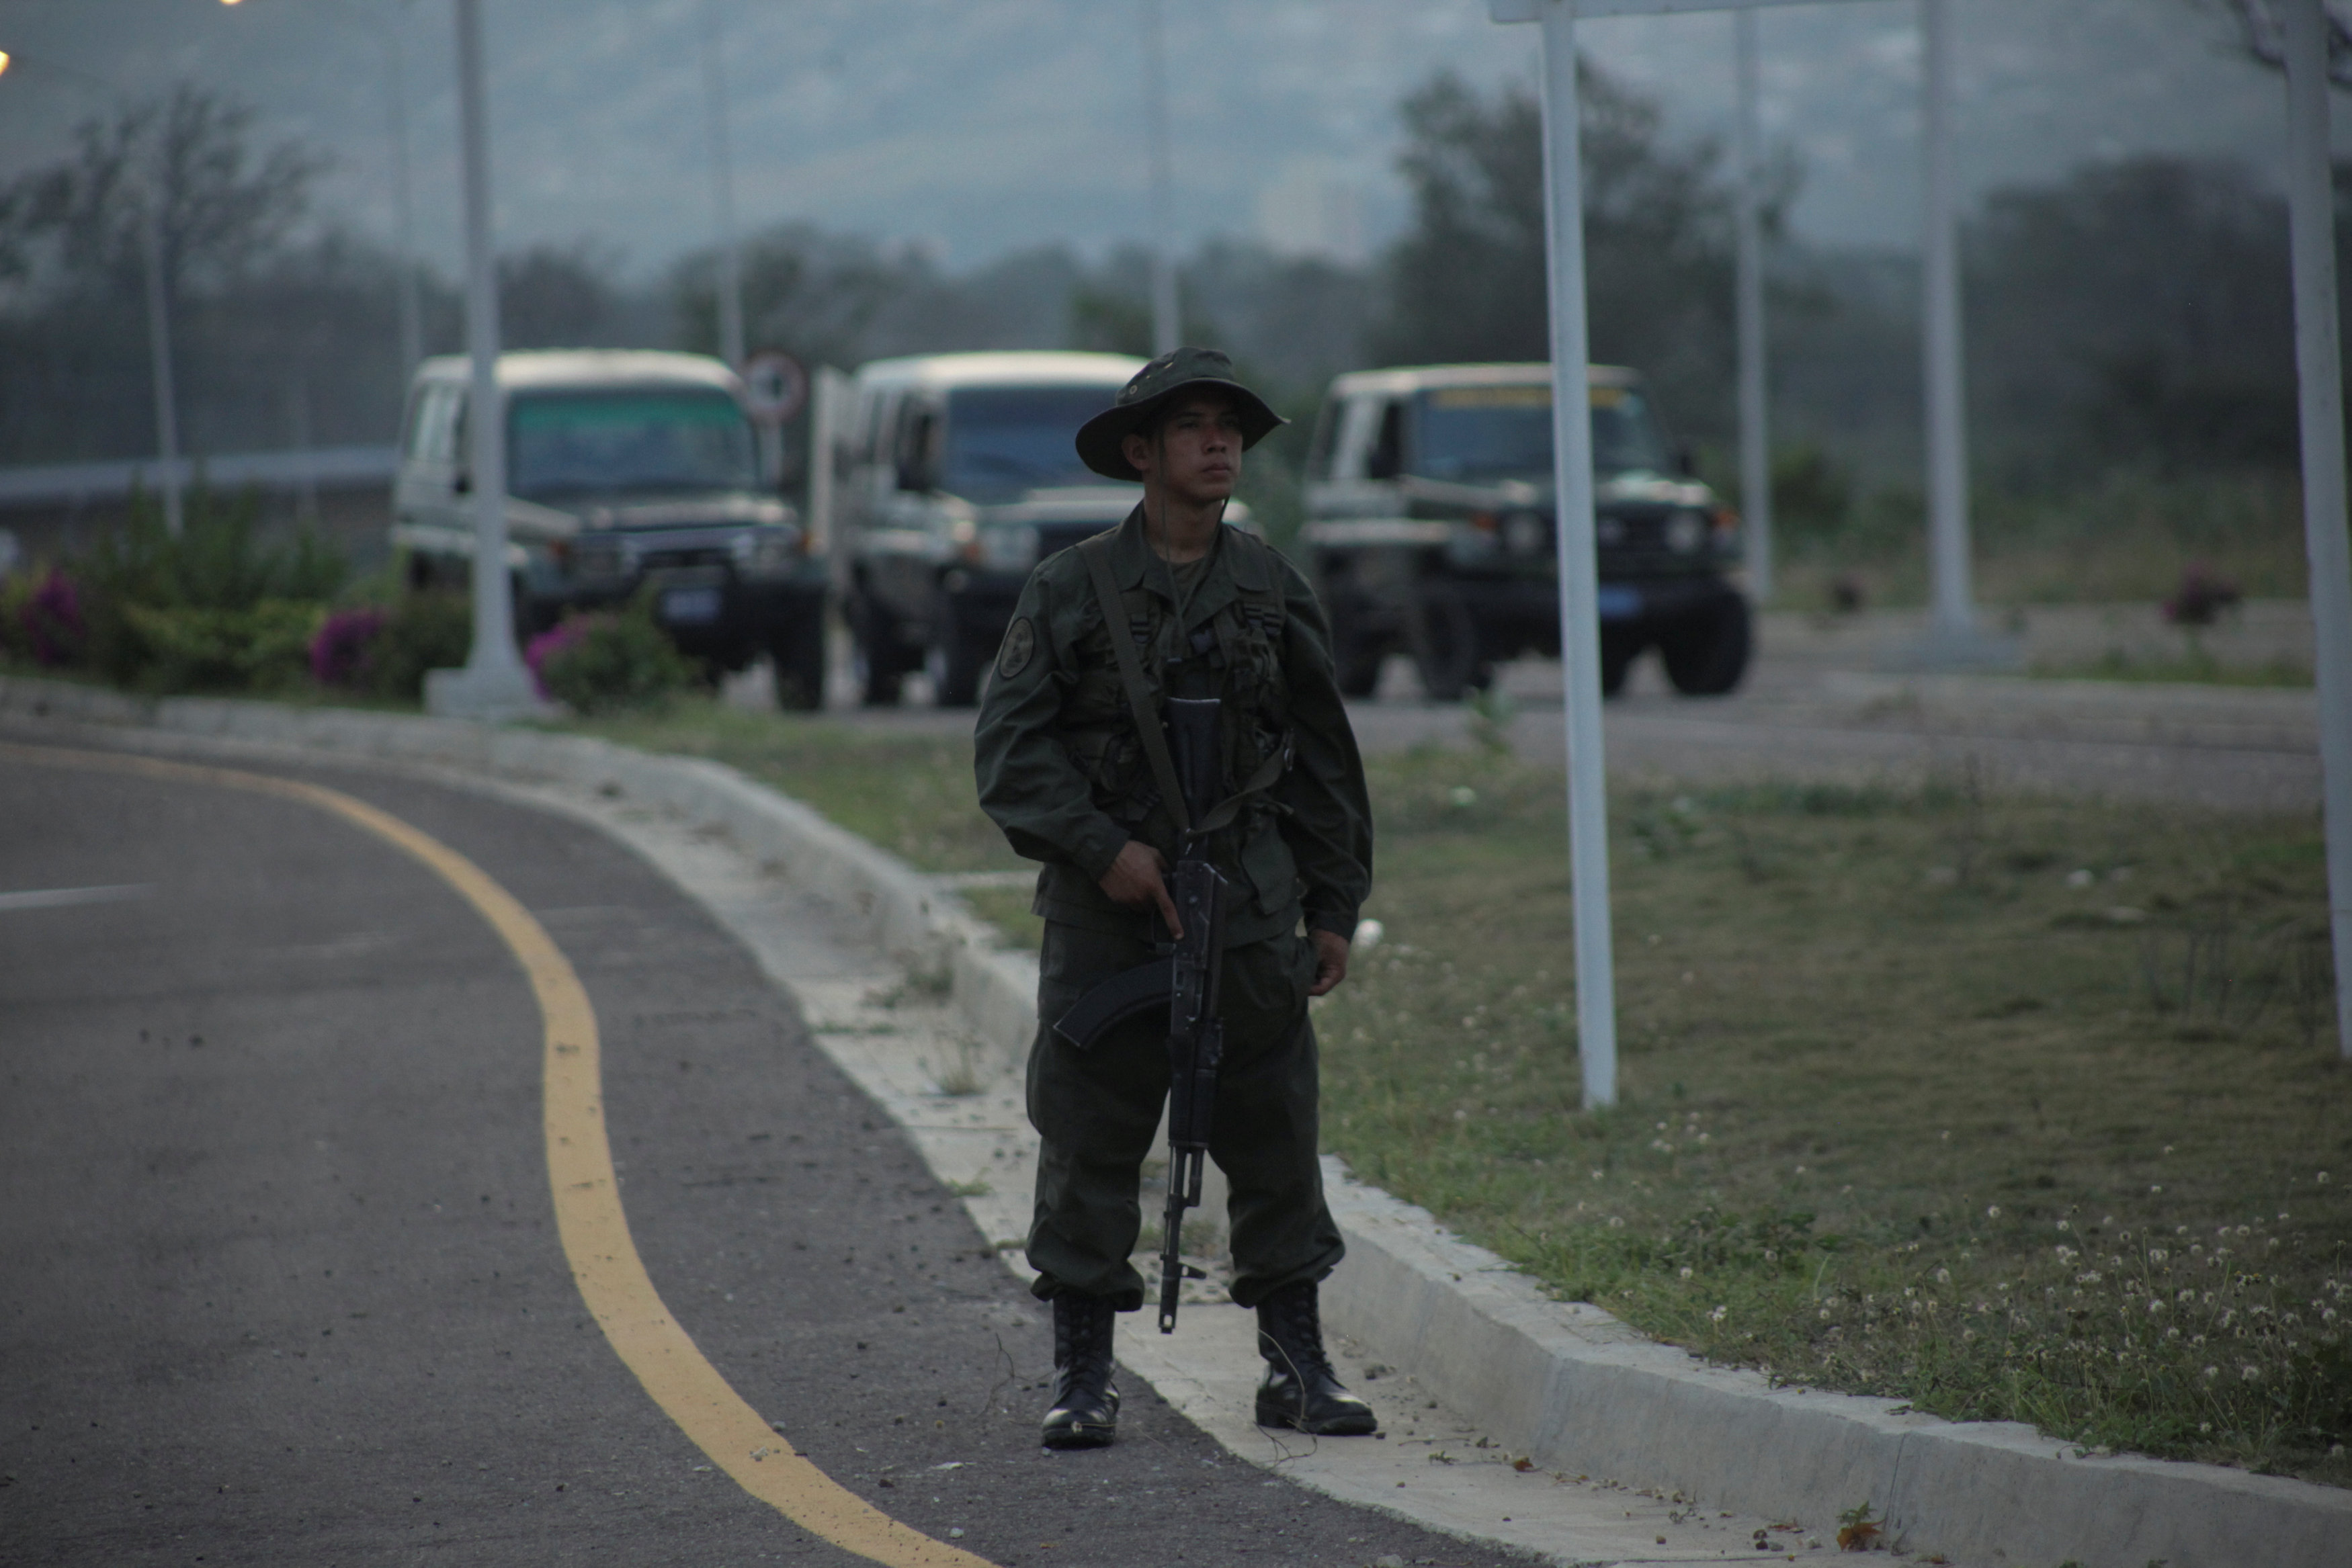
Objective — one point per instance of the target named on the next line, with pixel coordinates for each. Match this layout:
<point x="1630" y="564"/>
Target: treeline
<point x="2132" y="315"/>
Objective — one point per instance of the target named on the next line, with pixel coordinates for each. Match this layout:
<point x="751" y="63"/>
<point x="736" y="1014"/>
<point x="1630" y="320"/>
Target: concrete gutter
<point x="1565" y="1382"/>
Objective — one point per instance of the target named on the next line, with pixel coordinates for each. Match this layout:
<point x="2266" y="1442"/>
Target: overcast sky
<point x="976" y="126"/>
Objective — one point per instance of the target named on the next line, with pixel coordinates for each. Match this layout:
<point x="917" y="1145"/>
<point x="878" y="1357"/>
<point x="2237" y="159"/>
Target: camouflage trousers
<point x="1096" y="1111"/>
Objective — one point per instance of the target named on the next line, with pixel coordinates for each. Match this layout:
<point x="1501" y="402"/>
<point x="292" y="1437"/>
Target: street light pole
<point x="1580" y="646"/>
<point x="723" y="188"/>
<point x="493" y="685"/>
<point x="1167" y="321"/>
<point x="2318" y="356"/>
<point x="158" y="325"/>
<point x="395" y="98"/>
<point x="1755" y="448"/>
<point x="1953" y="620"/>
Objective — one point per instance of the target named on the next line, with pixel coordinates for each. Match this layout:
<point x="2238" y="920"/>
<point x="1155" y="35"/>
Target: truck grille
<point x="1053" y="537"/>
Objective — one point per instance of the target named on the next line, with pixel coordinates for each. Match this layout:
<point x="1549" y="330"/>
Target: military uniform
<point x="1062" y="771"/>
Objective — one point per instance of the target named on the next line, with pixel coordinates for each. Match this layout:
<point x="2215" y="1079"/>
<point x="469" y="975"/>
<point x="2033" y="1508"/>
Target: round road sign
<point x="775" y="386"/>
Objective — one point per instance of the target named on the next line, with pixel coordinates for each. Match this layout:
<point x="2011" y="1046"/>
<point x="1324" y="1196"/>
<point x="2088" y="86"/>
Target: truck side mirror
<point x="463" y="483"/>
<point x="1386" y="459"/>
<point x="918" y="465"/>
<point x="1686" y="460"/>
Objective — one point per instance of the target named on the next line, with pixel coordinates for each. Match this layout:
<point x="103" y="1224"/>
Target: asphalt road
<point x="283" y="1279"/>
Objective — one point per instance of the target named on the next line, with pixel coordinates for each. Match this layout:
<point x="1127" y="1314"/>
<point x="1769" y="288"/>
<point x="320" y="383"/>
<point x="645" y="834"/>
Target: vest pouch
<point x="1272" y="870"/>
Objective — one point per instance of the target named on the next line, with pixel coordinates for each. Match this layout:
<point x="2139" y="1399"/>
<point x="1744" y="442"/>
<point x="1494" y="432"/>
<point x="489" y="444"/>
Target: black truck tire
<point x="797" y="651"/>
<point x="1356" y="656"/>
<point x="1706" y="651"/>
<point x="881" y="659"/>
<point x="1446" y="647"/>
<point x="954" y="665"/>
<point x="1620" y="646"/>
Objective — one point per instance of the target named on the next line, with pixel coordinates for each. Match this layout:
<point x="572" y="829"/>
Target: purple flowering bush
<point x="554" y="644"/>
<point x="342" y="649"/>
<point x="49" y="623"/>
<point x="605" y="661"/>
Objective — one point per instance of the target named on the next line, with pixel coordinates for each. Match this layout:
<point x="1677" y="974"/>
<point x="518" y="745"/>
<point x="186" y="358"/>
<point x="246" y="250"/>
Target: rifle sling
<point x="1095" y="552"/>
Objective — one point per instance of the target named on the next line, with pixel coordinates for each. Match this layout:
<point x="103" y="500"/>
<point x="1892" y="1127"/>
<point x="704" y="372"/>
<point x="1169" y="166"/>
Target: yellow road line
<point x="588" y="1213"/>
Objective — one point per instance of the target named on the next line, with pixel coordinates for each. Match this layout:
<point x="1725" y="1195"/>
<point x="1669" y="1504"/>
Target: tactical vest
<point x="1235" y="655"/>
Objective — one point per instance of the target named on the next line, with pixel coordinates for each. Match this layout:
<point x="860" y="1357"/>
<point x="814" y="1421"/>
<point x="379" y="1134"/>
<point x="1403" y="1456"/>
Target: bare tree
<point x="2261" y="36"/>
<point x="224" y="209"/>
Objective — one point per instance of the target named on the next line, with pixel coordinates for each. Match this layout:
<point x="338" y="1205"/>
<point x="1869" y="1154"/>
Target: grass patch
<point x="911" y="794"/>
<point x="2187" y="668"/>
<point x="2013" y="1108"/>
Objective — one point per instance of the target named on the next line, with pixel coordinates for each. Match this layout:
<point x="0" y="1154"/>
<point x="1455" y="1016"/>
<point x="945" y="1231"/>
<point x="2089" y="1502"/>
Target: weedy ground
<point x="2011" y="1108"/>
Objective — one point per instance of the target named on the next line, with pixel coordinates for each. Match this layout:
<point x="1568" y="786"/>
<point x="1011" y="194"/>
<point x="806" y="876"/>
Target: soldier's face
<point x="1195" y="455"/>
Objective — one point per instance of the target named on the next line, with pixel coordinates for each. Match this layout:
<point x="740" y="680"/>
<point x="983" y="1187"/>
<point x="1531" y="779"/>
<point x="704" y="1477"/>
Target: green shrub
<point x="431" y="630"/>
<point x="606" y="662"/>
<point x="212" y="608"/>
<point x="180" y="648"/>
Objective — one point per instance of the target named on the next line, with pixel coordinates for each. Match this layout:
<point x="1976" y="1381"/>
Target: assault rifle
<point x="1185" y="983"/>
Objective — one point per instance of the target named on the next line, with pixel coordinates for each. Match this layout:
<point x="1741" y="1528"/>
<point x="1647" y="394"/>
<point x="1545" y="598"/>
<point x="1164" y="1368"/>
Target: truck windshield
<point x="1473" y="433"/>
<point x="606" y="442"/>
<point x="1003" y="442"/>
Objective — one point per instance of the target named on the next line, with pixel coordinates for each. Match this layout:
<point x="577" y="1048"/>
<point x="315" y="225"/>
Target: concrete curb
<point x="1581" y="1391"/>
<point x="1565" y="1382"/>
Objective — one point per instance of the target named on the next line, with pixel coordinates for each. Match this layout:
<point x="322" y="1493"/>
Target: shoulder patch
<point x="1020" y="647"/>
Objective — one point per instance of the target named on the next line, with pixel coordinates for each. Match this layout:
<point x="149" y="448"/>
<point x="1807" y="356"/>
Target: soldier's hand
<point x="1138" y="879"/>
<point x="1331" y="961"/>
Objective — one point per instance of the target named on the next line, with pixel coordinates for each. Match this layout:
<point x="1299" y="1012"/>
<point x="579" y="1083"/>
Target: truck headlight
<point x="1000" y="549"/>
<point x="598" y="559"/>
<point x="766" y="552"/>
<point x="1685" y="531"/>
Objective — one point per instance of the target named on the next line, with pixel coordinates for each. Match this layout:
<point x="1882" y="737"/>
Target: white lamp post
<point x="1755" y="445"/>
<point x="722" y="187"/>
<point x="494" y="684"/>
<point x="2319" y="368"/>
<point x="160" y="373"/>
<point x="1167" y="321"/>
<point x="1579" y="622"/>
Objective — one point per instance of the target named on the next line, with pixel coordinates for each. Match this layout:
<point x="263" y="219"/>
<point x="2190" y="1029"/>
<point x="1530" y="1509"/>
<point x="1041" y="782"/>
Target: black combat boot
<point x="1086" y="1402"/>
<point x="1300" y="1388"/>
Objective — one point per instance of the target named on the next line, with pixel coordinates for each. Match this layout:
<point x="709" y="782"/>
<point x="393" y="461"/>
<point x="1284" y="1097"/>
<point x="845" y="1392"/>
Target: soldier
<point x="1213" y="611"/>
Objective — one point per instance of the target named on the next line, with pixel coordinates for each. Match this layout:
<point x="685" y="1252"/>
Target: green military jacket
<point x="1061" y="771"/>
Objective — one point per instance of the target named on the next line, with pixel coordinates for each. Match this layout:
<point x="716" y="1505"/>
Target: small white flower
<point x="1686" y="1271"/>
<point x="1719" y="1313"/>
<point x="1992" y="1211"/>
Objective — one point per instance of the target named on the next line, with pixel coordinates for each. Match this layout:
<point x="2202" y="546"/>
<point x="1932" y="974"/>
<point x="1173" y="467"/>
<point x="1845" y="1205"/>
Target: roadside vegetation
<point x="226" y="609"/>
<point x="2010" y="1108"/>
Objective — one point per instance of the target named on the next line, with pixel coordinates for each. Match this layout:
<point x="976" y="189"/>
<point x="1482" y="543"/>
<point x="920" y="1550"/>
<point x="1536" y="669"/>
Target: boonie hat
<point x="1099" y="438"/>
